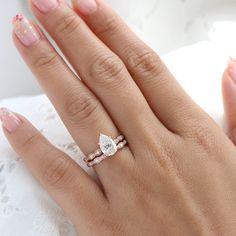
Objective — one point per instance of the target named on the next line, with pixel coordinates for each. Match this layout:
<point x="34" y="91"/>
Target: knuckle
<point x="29" y="143"/>
<point x="145" y="62"/>
<point x="81" y="108"/>
<point x="67" y="25"/>
<point x="111" y="27"/>
<point x="56" y="174"/>
<point x="46" y="59"/>
<point x="106" y="69"/>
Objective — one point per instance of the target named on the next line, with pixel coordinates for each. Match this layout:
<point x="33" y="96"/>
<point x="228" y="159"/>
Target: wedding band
<point x="107" y="148"/>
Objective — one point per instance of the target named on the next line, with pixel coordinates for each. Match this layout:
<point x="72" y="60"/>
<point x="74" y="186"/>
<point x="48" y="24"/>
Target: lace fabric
<point x="24" y="205"/>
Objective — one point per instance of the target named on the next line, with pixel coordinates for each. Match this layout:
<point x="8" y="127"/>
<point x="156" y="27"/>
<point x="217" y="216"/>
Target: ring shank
<point x="98" y="156"/>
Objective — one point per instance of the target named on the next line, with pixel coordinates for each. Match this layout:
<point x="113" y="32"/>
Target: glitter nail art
<point x="25" y="31"/>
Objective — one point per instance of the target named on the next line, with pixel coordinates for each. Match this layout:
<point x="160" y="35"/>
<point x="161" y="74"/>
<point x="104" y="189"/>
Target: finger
<point x="101" y="70"/>
<point x="166" y="97"/>
<point x="71" y="187"/>
<point x="82" y="113"/>
<point x="229" y="97"/>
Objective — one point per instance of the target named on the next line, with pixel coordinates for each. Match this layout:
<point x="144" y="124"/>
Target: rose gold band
<point x="98" y="156"/>
<point x="101" y="158"/>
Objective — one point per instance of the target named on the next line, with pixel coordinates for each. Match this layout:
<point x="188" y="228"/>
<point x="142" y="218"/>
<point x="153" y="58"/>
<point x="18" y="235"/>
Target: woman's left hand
<point x="177" y="174"/>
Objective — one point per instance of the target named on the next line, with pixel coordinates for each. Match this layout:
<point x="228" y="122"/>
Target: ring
<point x="107" y="148"/>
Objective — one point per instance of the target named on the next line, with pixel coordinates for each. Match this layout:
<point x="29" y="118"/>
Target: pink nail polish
<point x="9" y="120"/>
<point x="25" y="31"/>
<point x="232" y="68"/>
<point x="86" y="7"/>
<point x="46" y="5"/>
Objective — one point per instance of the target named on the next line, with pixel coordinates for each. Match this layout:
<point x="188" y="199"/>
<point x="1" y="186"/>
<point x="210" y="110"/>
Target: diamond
<point x="107" y="145"/>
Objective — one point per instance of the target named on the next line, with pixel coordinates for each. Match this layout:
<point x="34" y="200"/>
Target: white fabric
<point x="25" y="208"/>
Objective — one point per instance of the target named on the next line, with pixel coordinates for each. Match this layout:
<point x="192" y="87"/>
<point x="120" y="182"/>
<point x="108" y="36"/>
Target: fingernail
<point x="46" y="5"/>
<point x="86" y="7"/>
<point x="25" y="31"/>
<point x="9" y="120"/>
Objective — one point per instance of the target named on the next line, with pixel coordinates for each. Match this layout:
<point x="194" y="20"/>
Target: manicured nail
<point x="9" y="120"/>
<point x="46" y="5"/>
<point x="86" y="7"/>
<point x="25" y="31"/>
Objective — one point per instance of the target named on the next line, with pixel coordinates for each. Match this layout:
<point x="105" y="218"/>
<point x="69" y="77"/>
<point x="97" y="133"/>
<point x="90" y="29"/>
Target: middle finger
<point x="102" y="71"/>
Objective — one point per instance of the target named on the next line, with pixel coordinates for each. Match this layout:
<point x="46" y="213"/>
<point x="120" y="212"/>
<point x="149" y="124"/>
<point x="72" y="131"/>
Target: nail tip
<point x="86" y="7"/>
<point x="46" y="6"/>
<point x="25" y="31"/>
<point x="17" y="17"/>
<point x="9" y="120"/>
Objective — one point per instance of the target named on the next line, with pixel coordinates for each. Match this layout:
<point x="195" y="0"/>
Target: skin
<point x="229" y="95"/>
<point x="177" y="175"/>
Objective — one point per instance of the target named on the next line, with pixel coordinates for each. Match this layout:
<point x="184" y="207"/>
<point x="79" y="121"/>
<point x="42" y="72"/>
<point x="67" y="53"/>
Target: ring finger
<point x="80" y="110"/>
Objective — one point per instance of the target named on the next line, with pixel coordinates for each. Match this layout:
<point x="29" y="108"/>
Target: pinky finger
<point x="229" y="97"/>
<point x="65" y="181"/>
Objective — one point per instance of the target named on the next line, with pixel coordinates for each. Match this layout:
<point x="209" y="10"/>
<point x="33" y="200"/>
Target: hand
<point x="176" y="176"/>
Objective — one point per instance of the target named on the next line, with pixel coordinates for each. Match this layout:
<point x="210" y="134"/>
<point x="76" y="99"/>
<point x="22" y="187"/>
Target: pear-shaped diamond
<point x="107" y="145"/>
